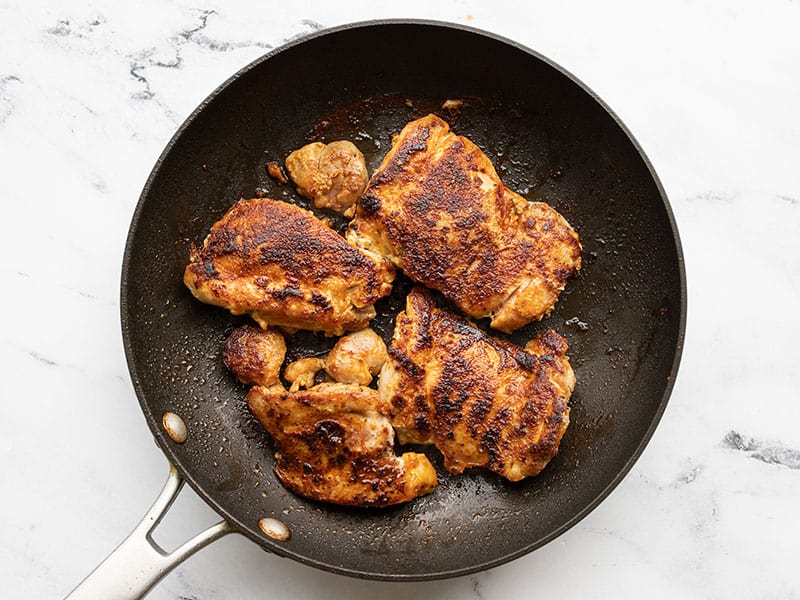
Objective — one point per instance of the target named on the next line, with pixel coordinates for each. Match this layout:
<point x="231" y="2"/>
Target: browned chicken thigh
<point x="355" y="358"/>
<point x="437" y="209"/>
<point x="255" y="355"/>
<point x="332" y="175"/>
<point x="483" y="402"/>
<point x="284" y="267"/>
<point x="335" y="445"/>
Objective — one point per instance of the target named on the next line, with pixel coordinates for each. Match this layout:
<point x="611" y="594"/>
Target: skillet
<point x="550" y="139"/>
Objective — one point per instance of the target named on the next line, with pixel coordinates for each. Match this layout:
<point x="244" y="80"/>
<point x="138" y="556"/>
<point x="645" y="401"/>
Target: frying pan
<point x="551" y="139"/>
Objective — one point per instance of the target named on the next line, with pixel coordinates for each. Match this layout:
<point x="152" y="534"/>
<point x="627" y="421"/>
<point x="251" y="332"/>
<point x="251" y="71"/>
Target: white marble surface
<point x="91" y="91"/>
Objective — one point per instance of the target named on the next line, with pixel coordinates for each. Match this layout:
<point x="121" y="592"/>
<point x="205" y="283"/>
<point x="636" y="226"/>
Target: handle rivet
<point x="275" y="529"/>
<point x="175" y="427"/>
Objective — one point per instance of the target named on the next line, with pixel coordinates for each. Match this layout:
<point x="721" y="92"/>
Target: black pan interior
<point x="551" y="140"/>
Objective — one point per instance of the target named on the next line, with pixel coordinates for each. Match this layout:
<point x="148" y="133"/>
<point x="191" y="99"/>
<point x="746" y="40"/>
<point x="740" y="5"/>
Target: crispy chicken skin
<point x="285" y="267"/>
<point x="437" y="209"/>
<point x="483" y="402"/>
<point x="255" y="355"/>
<point x="332" y="175"/>
<point x="334" y="445"/>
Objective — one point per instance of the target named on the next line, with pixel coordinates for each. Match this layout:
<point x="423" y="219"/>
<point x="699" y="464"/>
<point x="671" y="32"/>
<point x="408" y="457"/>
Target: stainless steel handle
<point x="139" y="563"/>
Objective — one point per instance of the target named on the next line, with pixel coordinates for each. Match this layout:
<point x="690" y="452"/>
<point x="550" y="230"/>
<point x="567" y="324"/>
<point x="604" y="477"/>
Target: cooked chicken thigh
<point x="285" y="267"/>
<point x="332" y="175"/>
<point x="255" y="355"/>
<point x="437" y="209"/>
<point x="334" y="445"/>
<point x="354" y="359"/>
<point x="483" y="402"/>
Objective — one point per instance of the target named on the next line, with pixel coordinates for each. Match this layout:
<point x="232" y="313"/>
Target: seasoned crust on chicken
<point x="336" y="446"/>
<point x="437" y="209"/>
<point x="483" y="402"/>
<point x="332" y="175"/>
<point x="285" y="267"/>
<point x="255" y="355"/>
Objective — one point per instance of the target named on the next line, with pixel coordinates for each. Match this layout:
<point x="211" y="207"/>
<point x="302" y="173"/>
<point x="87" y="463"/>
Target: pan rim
<point x="272" y="546"/>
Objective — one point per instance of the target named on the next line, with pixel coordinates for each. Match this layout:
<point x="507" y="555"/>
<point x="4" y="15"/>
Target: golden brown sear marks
<point x="284" y="267"/>
<point x="332" y="175"/>
<point x="483" y="402"/>
<point x="437" y="209"/>
<point x="335" y="445"/>
<point x="255" y="355"/>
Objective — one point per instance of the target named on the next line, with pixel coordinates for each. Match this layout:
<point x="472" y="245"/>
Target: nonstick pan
<point x="551" y="139"/>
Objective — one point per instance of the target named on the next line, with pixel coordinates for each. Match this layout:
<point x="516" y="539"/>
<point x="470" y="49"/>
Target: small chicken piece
<point x="255" y="355"/>
<point x="334" y="445"/>
<point x="301" y="373"/>
<point x="274" y="170"/>
<point x="437" y="209"/>
<point x="356" y="357"/>
<point x="284" y="267"/>
<point x="483" y="402"/>
<point x="332" y="175"/>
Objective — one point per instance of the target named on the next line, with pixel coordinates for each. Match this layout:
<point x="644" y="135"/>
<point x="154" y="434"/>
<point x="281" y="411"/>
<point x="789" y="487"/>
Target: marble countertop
<point x="91" y="92"/>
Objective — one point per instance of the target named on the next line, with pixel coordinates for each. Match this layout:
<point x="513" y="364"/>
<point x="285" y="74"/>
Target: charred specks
<point x="525" y="360"/>
<point x="417" y="142"/>
<point x="225" y="241"/>
<point x="479" y="411"/>
<point x="287" y="292"/>
<point x="491" y="443"/>
<point x="422" y="423"/>
<point x="553" y="342"/>
<point x="406" y="363"/>
<point x="321" y="301"/>
<point x="370" y="204"/>
<point x="330" y="431"/>
<point x="414" y="143"/>
<point x="209" y="270"/>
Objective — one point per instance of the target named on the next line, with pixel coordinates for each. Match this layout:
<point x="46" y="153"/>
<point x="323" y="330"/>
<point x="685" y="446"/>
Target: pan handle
<point x="139" y="563"/>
